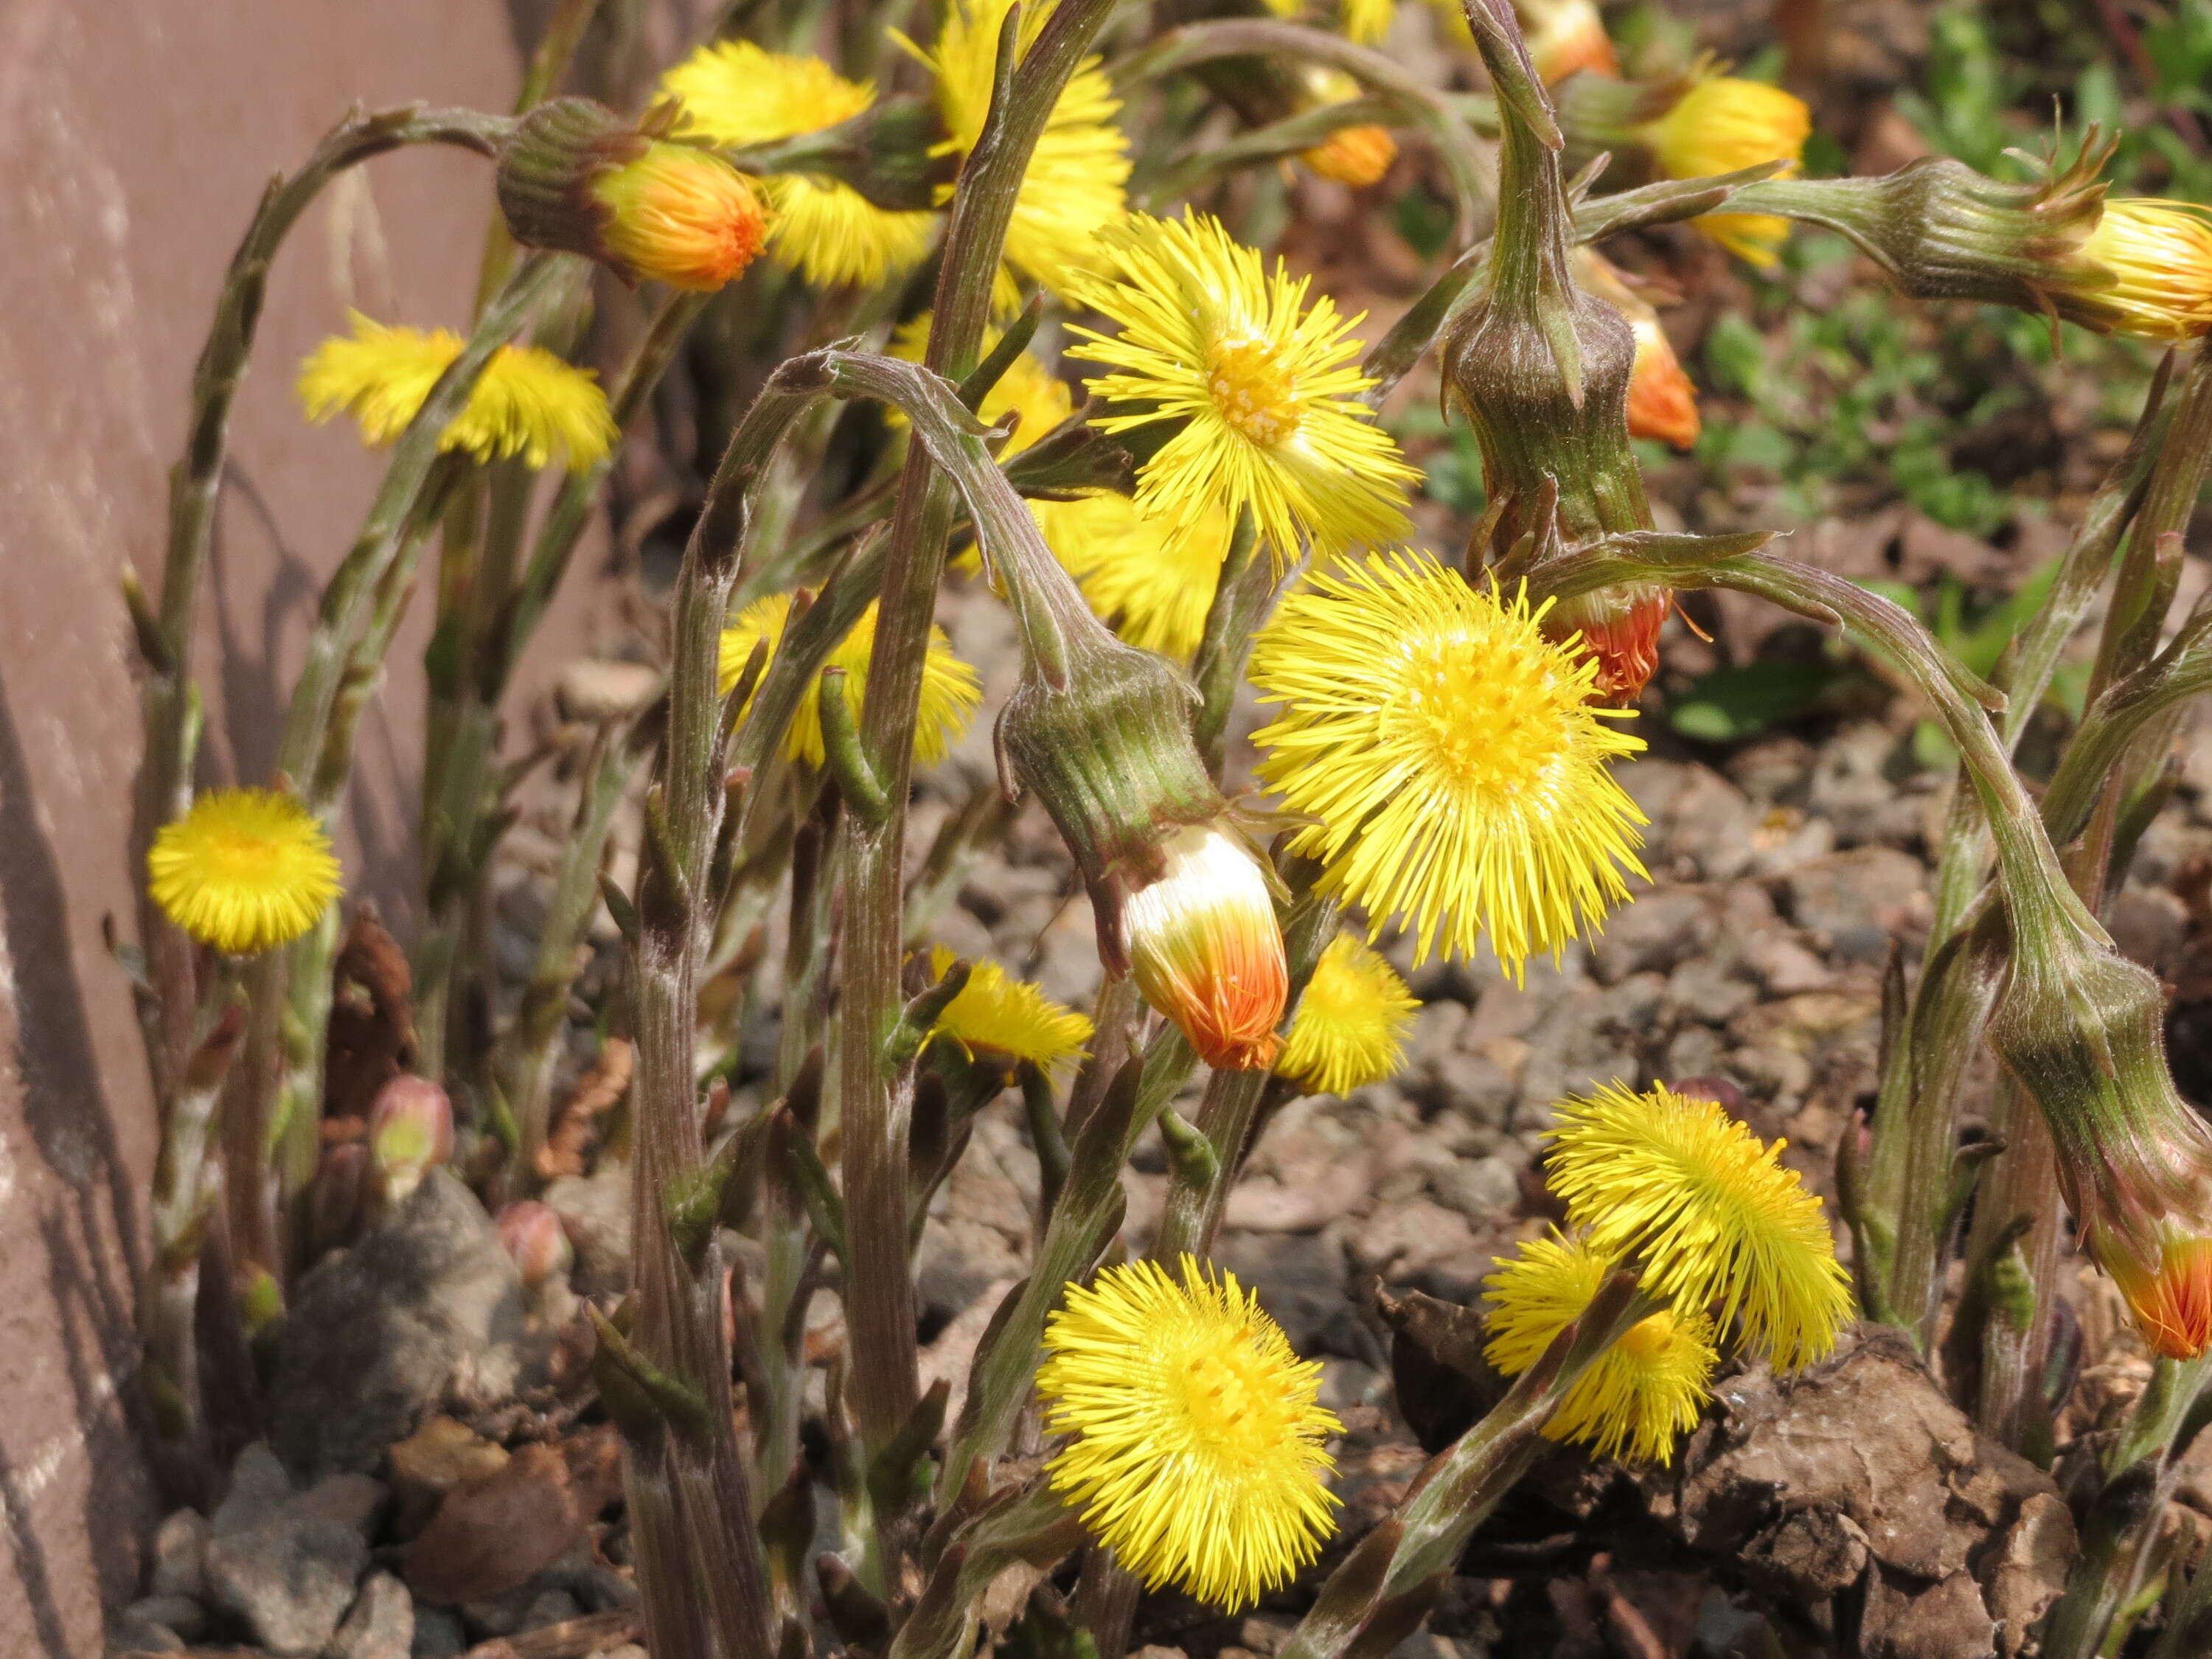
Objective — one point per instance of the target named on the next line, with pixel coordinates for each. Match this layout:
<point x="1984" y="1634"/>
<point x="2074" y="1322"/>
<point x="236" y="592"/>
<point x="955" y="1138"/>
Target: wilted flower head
<point x="243" y="870"/>
<point x="1643" y="1392"/>
<point x="1451" y="754"/>
<point x="998" y="1015"/>
<point x="1265" y="385"/>
<point x="1198" y="1453"/>
<point x="1350" y="1028"/>
<point x="733" y="93"/>
<point x="526" y="402"/>
<point x="1710" y="1212"/>
<point x="1723" y="124"/>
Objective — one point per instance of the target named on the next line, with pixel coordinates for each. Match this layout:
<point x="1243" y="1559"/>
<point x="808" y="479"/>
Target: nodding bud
<point x="1662" y="404"/>
<point x="1357" y="155"/>
<point x="1565" y="36"/>
<point x="1207" y="949"/>
<point x="577" y="177"/>
<point x="410" y="1132"/>
<point x="2081" y="1028"/>
<point x="1619" y="626"/>
<point x="533" y="1235"/>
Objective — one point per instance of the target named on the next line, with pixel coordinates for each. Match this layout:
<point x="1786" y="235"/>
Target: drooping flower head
<point x="1720" y="124"/>
<point x="1355" y="155"/>
<point x="526" y="402"/>
<point x="998" y="1015"/>
<point x="1662" y="404"/>
<point x="1715" y="1219"/>
<point x="243" y="871"/>
<point x="1645" y="1390"/>
<point x="733" y="93"/>
<point x="680" y="216"/>
<point x="1267" y="388"/>
<point x="1564" y="36"/>
<point x="2146" y="270"/>
<point x="1198" y="1453"/>
<point x="1075" y="184"/>
<point x="1207" y="949"/>
<point x="1151" y="581"/>
<point x="1451" y="756"/>
<point x="949" y="688"/>
<point x="1350" y="1028"/>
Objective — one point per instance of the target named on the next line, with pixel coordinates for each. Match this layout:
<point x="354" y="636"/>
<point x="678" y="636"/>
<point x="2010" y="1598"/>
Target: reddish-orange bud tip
<point x="1624" y="639"/>
<point x="1207" y="952"/>
<point x="680" y="216"/>
<point x="2172" y="1304"/>
<point x="1662" y="404"/>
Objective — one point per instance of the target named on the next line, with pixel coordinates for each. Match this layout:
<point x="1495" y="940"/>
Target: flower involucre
<point x="733" y="93"/>
<point x="1153" y="582"/>
<point x="1642" y="1393"/>
<point x="999" y="1015"/>
<point x="1074" y="187"/>
<point x="1451" y="756"/>
<point x="1715" y="1218"/>
<point x="1198" y="1453"/>
<point x="1267" y="388"/>
<point x="949" y="688"/>
<point x="243" y="870"/>
<point x="526" y="402"/>
<point x="1350" y="1028"/>
<point x="1721" y="124"/>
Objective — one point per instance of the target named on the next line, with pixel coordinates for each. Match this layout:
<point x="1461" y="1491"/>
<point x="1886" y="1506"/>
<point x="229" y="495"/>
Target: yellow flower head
<point x="1267" y="388"/>
<point x="733" y="94"/>
<point x="2152" y="262"/>
<point x="1198" y="1453"/>
<point x="1350" y="1028"/>
<point x="1644" y="1390"/>
<point x="1003" y="1016"/>
<point x="244" y="870"/>
<point x="1716" y="1219"/>
<point x="1357" y="156"/>
<point x="680" y="216"/>
<point x="1152" y="581"/>
<point x="1365" y="20"/>
<point x="526" y="402"/>
<point x="1723" y="124"/>
<point x="1028" y="388"/>
<point x="1451" y="754"/>
<point x="1075" y="184"/>
<point x="1564" y="36"/>
<point x="949" y="688"/>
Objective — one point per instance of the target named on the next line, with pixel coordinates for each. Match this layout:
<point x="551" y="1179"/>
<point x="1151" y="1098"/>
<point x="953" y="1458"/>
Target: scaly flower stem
<point x="876" y="1104"/>
<point x="171" y="708"/>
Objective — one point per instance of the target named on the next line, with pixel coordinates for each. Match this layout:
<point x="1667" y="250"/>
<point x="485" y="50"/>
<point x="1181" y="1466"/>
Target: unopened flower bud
<point x="1619" y="626"/>
<point x="1564" y="36"/>
<point x="575" y="176"/>
<point x="2146" y="270"/>
<point x="1207" y="949"/>
<point x="1357" y="156"/>
<point x="410" y="1132"/>
<point x="2081" y="1029"/>
<point x="1662" y="402"/>
<point x="533" y="1235"/>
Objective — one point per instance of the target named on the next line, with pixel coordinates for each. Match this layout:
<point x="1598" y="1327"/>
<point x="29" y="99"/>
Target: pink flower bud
<point x="410" y="1130"/>
<point x="536" y="1239"/>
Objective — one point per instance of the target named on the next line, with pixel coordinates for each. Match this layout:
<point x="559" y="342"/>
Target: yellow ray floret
<point x="1717" y="1219"/>
<point x="1644" y="1390"/>
<point x="528" y="402"/>
<point x="733" y="94"/>
<point x="996" y="1014"/>
<point x="1724" y="123"/>
<point x="244" y="870"/>
<point x="1267" y="388"/>
<point x="1458" y="771"/>
<point x="1365" y="20"/>
<point x="1079" y="172"/>
<point x="2157" y="257"/>
<point x="1198" y="1453"/>
<point x="1350" y="1028"/>
<point x="1152" y="580"/>
<point x="949" y="688"/>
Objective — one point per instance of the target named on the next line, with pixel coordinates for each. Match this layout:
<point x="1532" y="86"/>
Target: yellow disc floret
<point x="1350" y="1028"/>
<point x="526" y="402"/>
<point x="949" y="688"/>
<point x="1715" y="1218"/>
<point x="1644" y="1390"/>
<point x="2152" y="261"/>
<point x="1197" y="1451"/>
<point x="1451" y="754"/>
<point x="244" y="870"/>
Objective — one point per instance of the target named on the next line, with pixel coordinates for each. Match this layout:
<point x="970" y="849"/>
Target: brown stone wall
<point x="134" y="136"/>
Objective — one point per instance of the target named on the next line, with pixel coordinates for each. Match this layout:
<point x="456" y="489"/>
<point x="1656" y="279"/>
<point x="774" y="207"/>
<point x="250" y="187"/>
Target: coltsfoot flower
<point x="733" y="94"/>
<point x="1723" y="123"/>
<point x="1365" y="22"/>
<point x="1451" y="755"/>
<point x="1079" y="172"/>
<point x="526" y="402"/>
<point x="1266" y="386"/>
<point x="1198" y="1453"/>
<point x="2146" y="269"/>
<point x="1662" y="404"/>
<point x="998" y="1015"/>
<point x="1151" y="581"/>
<point x="1350" y="1028"/>
<point x="1645" y="1390"/>
<point x="949" y="688"/>
<point x="1564" y="36"/>
<point x="1357" y="155"/>
<point x="243" y="871"/>
<point x="1207" y="949"/>
<point x="1710" y="1211"/>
